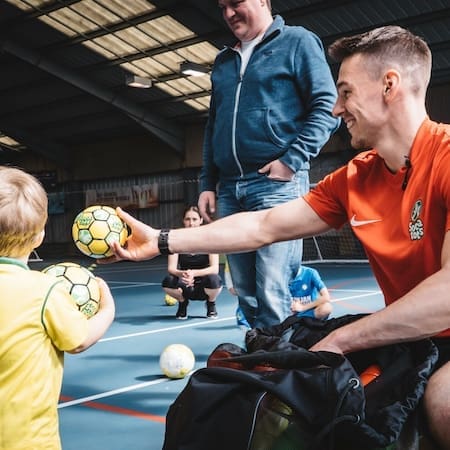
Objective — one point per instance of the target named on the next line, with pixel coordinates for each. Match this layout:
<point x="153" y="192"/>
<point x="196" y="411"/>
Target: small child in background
<point x="310" y="296"/>
<point x="228" y="280"/>
<point x="39" y="321"/>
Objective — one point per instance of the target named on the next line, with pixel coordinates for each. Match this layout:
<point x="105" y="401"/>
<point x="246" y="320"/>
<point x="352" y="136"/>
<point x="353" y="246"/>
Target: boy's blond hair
<point x="23" y="212"/>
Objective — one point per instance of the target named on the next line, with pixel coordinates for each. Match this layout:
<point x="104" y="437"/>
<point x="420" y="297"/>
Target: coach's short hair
<point x="389" y="45"/>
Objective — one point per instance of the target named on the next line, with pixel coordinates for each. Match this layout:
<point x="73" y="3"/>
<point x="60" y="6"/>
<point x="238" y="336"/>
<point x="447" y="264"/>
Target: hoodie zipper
<point x="233" y="126"/>
<point x="233" y="129"/>
<point x="236" y="104"/>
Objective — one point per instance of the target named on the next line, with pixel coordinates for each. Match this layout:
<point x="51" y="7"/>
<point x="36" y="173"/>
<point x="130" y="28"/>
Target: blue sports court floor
<point x="114" y="395"/>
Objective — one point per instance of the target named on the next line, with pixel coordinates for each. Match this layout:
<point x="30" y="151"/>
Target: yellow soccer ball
<point x="170" y="301"/>
<point x="80" y="283"/>
<point x="176" y="361"/>
<point x="96" y="228"/>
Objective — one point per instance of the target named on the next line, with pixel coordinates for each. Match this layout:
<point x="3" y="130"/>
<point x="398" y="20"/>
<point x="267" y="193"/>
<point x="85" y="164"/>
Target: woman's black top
<point x="187" y="261"/>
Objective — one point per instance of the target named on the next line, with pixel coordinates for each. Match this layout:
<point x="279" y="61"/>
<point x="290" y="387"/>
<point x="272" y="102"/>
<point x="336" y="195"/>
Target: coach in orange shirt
<point x="396" y="197"/>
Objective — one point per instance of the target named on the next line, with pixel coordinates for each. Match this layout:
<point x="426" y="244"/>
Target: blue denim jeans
<point x="261" y="277"/>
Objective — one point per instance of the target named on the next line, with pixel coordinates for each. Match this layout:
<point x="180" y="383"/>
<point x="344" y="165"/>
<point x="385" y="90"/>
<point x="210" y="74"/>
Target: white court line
<point x="335" y="300"/>
<point x="195" y="324"/>
<point x="165" y="379"/>
<point x="132" y="284"/>
<point x="108" y="268"/>
<point x="189" y="325"/>
<point x="147" y="283"/>
<point x="354" y="290"/>
<point x="111" y="393"/>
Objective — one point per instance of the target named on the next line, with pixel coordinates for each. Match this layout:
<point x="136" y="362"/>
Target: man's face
<point x="360" y="102"/>
<point x="245" y="18"/>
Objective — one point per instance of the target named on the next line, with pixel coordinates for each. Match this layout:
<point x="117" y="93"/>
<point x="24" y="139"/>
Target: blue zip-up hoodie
<point x="280" y="108"/>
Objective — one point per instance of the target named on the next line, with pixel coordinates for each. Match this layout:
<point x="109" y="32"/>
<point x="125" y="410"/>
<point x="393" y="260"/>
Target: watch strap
<point x="163" y="242"/>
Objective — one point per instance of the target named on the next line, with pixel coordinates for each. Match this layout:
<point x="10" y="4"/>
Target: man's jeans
<point x="261" y="277"/>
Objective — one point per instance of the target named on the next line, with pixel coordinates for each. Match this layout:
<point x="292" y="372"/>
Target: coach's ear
<point x="391" y="84"/>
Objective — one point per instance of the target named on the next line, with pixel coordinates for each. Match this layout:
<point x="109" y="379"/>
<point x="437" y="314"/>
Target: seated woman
<point x="191" y="276"/>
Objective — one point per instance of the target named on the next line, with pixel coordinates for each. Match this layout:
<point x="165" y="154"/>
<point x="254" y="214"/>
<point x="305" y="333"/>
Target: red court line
<point x="118" y="410"/>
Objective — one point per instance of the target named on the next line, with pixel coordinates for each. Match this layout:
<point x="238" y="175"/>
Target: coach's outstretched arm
<point x="237" y="233"/>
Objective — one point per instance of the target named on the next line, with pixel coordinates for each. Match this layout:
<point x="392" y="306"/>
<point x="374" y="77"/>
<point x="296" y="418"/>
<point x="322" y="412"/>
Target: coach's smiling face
<point x="360" y="102"/>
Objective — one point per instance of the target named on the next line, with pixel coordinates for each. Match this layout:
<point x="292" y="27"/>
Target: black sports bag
<point x="279" y="396"/>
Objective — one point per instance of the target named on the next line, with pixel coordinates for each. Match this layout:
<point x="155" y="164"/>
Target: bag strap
<point x="305" y="331"/>
<point x="328" y="430"/>
<point x="282" y="359"/>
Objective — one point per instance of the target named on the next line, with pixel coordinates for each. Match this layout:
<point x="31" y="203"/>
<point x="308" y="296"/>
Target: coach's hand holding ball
<point x="142" y="243"/>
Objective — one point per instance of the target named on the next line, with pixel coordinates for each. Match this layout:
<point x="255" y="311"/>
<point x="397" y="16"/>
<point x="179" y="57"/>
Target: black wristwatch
<point x="163" y="242"/>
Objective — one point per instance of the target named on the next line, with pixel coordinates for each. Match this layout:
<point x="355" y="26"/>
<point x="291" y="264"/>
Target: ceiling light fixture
<point x="138" y="82"/>
<point x="193" y="69"/>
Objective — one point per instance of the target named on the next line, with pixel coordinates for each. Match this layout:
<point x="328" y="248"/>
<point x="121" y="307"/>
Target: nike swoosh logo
<point x="359" y="223"/>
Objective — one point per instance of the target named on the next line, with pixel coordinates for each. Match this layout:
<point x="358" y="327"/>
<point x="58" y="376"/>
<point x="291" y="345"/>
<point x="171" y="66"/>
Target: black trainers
<point x="211" y="312"/>
<point x="182" y="310"/>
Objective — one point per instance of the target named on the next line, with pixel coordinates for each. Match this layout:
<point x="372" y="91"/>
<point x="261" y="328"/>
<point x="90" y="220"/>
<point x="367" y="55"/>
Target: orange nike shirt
<point x="402" y="230"/>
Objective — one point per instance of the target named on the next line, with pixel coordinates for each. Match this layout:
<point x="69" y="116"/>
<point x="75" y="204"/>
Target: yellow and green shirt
<point x="39" y="320"/>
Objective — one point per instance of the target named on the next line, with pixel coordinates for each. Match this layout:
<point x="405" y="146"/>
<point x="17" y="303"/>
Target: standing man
<point x="270" y="113"/>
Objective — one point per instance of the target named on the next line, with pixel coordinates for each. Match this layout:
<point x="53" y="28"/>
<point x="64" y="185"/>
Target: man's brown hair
<point x="388" y="46"/>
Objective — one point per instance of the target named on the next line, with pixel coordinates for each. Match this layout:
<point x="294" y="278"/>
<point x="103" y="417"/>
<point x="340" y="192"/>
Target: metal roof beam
<point x="164" y="130"/>
<point x="150" y="52"/>
<point x="39" y="144"/>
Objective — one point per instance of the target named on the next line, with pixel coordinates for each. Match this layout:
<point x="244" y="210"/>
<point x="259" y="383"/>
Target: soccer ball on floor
<point x="80" y="283"/>
<point x="176" y="361"/>
<point x="169" y="300"/>
<point x="96" y="228"/>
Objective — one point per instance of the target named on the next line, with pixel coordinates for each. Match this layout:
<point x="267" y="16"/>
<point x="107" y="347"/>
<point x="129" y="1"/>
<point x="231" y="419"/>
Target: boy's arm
<point x="324" y="297"/>
<point x="100" y="322"/>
